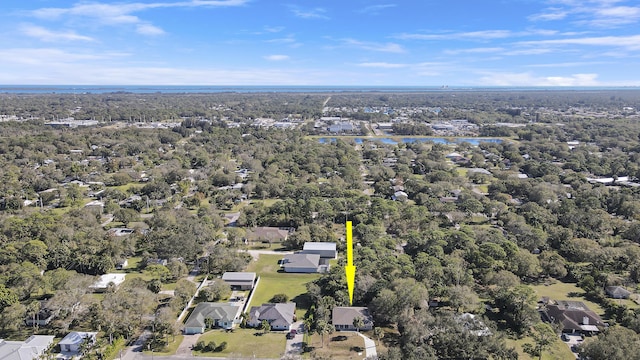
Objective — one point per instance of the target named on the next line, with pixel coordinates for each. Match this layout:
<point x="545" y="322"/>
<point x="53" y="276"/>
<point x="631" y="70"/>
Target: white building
<point x="103" y="283"/>
<point x="30" y="349"/>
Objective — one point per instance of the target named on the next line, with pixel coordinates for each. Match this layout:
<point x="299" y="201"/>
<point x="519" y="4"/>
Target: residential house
<point x="32" y="348"/>
<point x="106" y="280"/>
<point x="267" y="234"/>
<point x="279" y="316"/>
<point x="222" y="315"/>
<point x="303" y="263"/>
<point x="617" y="292"/>
<point x="473" y="324"/>
<point x="240" y="280"/>
<point x="43" y="317"/>
<point x="74" y="341"/>
<point x="573" y="317"/>
<point x="326" y="250"/>
<point x="342" y="318"/>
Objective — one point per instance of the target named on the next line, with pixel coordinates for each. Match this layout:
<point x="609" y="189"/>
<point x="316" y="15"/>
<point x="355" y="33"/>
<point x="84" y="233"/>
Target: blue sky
<point x="328" y="42"/>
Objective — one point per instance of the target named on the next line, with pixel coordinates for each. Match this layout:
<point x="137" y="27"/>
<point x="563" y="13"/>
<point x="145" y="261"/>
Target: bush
<point x="211" y="346"/>
<point x="222" y="346"/>
<point x="279" y="298"/>
<point x="199" y="346"/>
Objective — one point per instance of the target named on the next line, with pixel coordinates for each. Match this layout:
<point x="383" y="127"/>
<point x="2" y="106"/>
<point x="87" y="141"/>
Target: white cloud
<point x="383" y="65"/>
<point x="372" y="46"/>
<point x="277" y="57"/>
<point x="52" y="36"/>
<point x="567" y="64"/>
<point x="631" y="42"/>
<point x="122" y="13"/>
<point x="481" y="50"/>
<point x="148" y="29"/>
<point x="376" y="9"/>
<point x="315" y="13"/>
<point x="591" y="13"/>
<point x="273" y="29"/>
<point x="529" y="79"/>
<point x="471" y="35"/>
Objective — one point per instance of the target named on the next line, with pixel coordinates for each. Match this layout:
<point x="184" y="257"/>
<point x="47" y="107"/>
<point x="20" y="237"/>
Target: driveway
<point x="294" y="346"/>
<point x="369" y="347"/>
<point x="573" y="340"/>
<point x="187" y="343"/>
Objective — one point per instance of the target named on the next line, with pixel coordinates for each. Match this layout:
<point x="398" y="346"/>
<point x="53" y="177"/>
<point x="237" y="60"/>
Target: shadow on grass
<point x="339" y="338"/>
<point x="357" y="349"/>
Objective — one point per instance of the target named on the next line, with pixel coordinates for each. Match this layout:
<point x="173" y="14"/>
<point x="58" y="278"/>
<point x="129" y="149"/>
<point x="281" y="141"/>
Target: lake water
<point x="437" y="140"/>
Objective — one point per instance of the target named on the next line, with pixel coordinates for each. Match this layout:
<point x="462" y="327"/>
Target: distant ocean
<point x="184" y="89"/>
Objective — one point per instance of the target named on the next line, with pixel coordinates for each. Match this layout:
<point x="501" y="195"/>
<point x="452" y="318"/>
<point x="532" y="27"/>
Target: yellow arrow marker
<point x="350" y="269"/>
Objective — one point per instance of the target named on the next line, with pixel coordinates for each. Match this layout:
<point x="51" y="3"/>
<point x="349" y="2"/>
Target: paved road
<point x="294" y="346"/>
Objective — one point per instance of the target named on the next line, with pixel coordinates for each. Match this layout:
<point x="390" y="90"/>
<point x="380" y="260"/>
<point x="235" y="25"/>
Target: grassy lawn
<point x="246" y="342"/>
<point x="272" y="282"/>
<point x="559" y="350"/>
<point x="171" y="348"/>
<point x="566" y="291"/>
<point x="339" y="345"/>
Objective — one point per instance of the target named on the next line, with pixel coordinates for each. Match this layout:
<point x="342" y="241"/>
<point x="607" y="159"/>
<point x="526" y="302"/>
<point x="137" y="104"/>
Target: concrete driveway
<point x="294" y="346"/>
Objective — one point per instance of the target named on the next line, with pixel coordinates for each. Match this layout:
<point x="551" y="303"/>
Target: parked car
<point x="291" y="334"/>
<point x="564" y="337"/>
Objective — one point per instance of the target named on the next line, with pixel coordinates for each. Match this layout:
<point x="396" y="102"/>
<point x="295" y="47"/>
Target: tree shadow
<point x="574" y="294"/>
<point x="259" y="333"/>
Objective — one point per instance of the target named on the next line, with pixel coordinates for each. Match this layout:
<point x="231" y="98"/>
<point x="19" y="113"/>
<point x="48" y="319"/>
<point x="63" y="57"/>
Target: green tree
<point x="265" y="326"/>
<point x="358" y="323"/>
<point x="543" y="336"/>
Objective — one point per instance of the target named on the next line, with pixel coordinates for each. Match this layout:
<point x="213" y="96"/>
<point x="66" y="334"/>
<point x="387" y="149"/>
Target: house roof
<point x="268" y="233"/>
<point x="105" y="279"/>
<point x="301" y="261"/>
<point x="276" y="314"/>
<point x="319" y="246"/>
<point x="77" y="337"/>
<point x="344" y="315"/>
<point x="238" y="276"/>
<point x="216" y="311"/>
<point x="29" y="349"/>
<point x="572" y="315"/>
<point x="617" y="290"/>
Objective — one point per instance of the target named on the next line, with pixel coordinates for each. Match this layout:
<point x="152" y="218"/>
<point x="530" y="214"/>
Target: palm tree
<point x="244" y="318"/>
<point x="323" y="327"/>
<point x="378" y="333"/>
<point x="358" y="322"/>
<point x="266" y="327"/>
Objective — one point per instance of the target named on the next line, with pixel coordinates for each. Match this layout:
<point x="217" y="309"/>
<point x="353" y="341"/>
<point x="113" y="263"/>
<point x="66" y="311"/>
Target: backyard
<point x="273" y="282"/>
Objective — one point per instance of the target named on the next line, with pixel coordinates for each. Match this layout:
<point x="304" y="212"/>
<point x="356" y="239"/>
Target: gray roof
<point x="325" y="246"/>
<point x="267" y="233"/>
<point x="76" y="337"/>
<point x="238" y="276"/>
<point x="216" y="311"/>
<point x="301" y="261"/>
<point x="617" y="290"/>
<point x="276" y="314"/>
<point x="29" y="349"/>
<point x="344" y="315"/>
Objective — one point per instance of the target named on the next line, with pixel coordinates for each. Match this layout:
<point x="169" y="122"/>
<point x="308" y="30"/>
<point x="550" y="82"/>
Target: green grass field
<point x="273" y="282"/>
<point x="246" y="342"/>
<point x="559" y="350"/>
<point x="566" y="291"/>
<point x="339" y="345"/>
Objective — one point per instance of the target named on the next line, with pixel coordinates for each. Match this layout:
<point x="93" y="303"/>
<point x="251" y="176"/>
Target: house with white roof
<point x="32" y="348"/>
<point x="326" y="250"/>
<point x="72" y="343"/>
<point x="105" y="280"/>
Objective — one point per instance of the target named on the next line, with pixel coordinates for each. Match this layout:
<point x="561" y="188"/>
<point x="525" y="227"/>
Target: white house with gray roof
<point x="240" y="280"/>
<point x="222" y="315"/>
<point x="303" y="263"/>
<point x="279" y="316"/>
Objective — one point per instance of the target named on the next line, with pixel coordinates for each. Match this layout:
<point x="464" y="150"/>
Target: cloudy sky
<point x="321" y="42"/>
